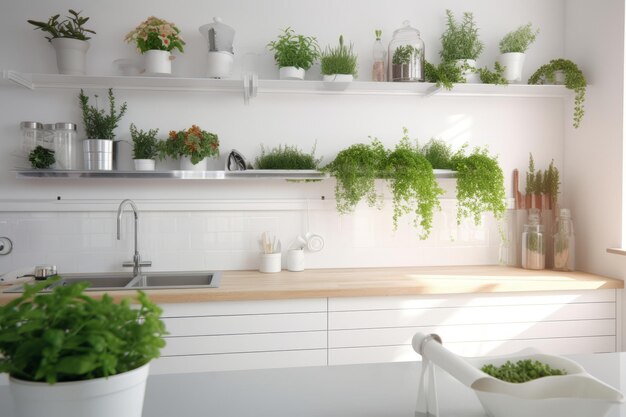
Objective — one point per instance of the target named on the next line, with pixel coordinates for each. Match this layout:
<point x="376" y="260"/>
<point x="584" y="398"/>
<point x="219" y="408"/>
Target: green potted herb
<point x="564" y="71"/>
<point x="145" y="148"/>
<point x="192" y="146"/>
<point x="444" y="75"/>
<point x="339" y="64"/>
<point x="41" y="158"/>
<point x="286" y="157"/>
<point x="496" y="77"/>
<point x="294" y="54"/>
<point x="68" y="354"/>
<point x="69" y="38"/>
<point x="100" y="129"/>
<point x="461" y="44"/>
<point x="513" y="48"/>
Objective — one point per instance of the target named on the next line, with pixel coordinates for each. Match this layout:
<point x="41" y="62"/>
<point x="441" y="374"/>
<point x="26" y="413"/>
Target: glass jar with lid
<point x="46" y="139"/>
<point x="406" y="55"/>
<point x="533" y="242"/>
<point x="66" y="147"/>
<point x="564" y="243"/>
<point x="31" y="132"/>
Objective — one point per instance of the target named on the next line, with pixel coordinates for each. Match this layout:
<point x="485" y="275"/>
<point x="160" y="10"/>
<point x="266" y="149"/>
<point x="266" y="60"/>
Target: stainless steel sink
<point x="147" y="281"/>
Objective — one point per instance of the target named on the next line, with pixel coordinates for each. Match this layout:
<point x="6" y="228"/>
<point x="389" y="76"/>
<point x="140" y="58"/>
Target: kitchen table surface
<point x="372" y="282"/>
<point x="374" y="390"/>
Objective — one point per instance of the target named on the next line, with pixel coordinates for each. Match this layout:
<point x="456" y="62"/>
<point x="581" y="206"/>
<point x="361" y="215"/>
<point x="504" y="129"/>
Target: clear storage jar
<point x="564" y="243"/>
<point x="66" y="146"/>
<point x="533" y="242"/>
<point x="31" y="131"/>
<point x="406" y="55"/>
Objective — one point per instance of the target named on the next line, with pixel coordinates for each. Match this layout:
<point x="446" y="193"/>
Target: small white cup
<point x="295" y="260"/>
<point x="270" y="263"/>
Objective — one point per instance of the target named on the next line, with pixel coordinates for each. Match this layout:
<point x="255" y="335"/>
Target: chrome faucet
<point x="136" y="263"/>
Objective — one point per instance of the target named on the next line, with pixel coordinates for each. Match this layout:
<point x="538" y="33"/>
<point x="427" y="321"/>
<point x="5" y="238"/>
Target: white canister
<point x="219" y="64"/>
<point x="270" y="263"/>
<point x="295" y="260"/>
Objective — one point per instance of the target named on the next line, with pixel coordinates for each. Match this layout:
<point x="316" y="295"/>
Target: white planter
<point x="186" y="165"/>
<point x="144" y="164"/>
<point x="270" y="263"/>
<point x="338" y="78"/>
<point x="157" y="62"/>
<point x="513" y="63"/>
<point x="219" y="64"/>
<point x="71" y="55"/>
<point x="291" y="73"/>
<point x="470" y="74"/>
<point x="117" y="395"/>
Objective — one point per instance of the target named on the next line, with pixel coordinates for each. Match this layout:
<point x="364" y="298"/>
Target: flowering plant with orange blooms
<point x="155" y="33"/>
<point x="193" y="142"/>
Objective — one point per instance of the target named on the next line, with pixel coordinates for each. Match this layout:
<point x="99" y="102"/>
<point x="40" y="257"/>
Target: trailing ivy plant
<point x="493" y="77"/>
<point x="460" y="40"/>
<point x="356" y="169"/>
<point x="518" y="40"/>
<point x="413" y="185"/>
<point x="287" y="157"/>
<point x="574" y="80"/>
<point x="444" y="75"/>
<point x="479" y="185"/>
<point x="41" y="158"/>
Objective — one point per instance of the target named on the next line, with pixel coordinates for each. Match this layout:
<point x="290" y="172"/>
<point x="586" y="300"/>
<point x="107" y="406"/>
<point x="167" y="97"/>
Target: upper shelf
<point x="36" y="81"/>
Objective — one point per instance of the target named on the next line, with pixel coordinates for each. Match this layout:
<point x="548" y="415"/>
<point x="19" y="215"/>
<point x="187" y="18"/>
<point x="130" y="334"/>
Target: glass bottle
<point x="66" y="146"/>
<point x="380" y="56"/>
<point x="564" y="244"/>
<point x="533" y="242"/>
<point x="406" y="55"/>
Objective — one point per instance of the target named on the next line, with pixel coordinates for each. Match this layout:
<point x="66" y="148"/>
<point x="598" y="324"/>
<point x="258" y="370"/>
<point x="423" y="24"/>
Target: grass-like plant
<point x="493" y="77"/>
<point x="339" y="60"/>
<point x="41" y="157"/>
<point x="286" y="157"/>
<point x="444" y="75"/>
<point x="531" y="184"/>
<point x="356" y="169"/>
<point x="413" y="185"/>
<point x="71" y="27"/>
<point x="291" y="50"/>
<point x="574" y="80"/>
<point x="99" y="124"/>
<point x="68" y="336"/>
<point x="518" y="40"/>
<point x="460" y="40"/>
<point x="145" y="144"/>
<point x="551" y="184"/>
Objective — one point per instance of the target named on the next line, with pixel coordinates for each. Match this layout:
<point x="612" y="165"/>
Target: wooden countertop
<point x="372" y="282"/>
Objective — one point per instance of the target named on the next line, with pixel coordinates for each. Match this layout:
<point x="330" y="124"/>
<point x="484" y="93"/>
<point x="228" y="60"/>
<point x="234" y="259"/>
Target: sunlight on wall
<point x="459" y="131"/>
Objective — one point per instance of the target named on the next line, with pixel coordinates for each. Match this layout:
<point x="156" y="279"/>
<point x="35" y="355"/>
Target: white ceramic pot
<point x="71" y="55"/>
<point x="513" y="63"/>
<point x="295" y="260"/>
<point x="144" y="164"/>
<point x="117" y="395"/>
<point x="98" y="154"/>
<point x="186" y="165"/>
<point x="219" y="64"/>
<point x="270" y="263"/>
<point x="338" y="78"/>
<point x="469" y="71"/>
<point x="291" y="73"/>
<point x="157" y="62"/>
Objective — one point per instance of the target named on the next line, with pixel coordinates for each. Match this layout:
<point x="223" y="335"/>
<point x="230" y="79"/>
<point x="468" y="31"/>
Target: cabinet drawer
<point x="226" y="308"/>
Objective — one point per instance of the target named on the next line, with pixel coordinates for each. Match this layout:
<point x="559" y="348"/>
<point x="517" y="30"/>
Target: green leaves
<point x="339" y="60"/>
<point x="287" y="157"/>
<point x="443" y="75"/>
<point x="98" y="124"/>
<point x="493" y="77"/>
<point x="291" y="50"/>
<point x="72" y="27"/>
<point x="145" y="144"/>
<point x="521" y="371"/>
<point x="41" y="157"/>
<point x="68" y="336"/>
<point x="460" y="41"/>
<point x="518" y="40"/>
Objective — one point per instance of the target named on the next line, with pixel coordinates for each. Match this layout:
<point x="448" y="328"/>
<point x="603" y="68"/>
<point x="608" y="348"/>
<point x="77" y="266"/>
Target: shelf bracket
<point x="17" y="78"/>
<point x="250" y="86"/>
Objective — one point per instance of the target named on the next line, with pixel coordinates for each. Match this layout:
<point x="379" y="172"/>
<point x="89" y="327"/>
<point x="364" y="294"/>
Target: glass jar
<point x="67" y="152"/>
<point x="31" y="131"/>
<point x="406" y="55"/>
<point x="46" y="139"/>
<point x="564" y="243"/>
<point x="380" y="57"/>
<point x="533" y="242"/>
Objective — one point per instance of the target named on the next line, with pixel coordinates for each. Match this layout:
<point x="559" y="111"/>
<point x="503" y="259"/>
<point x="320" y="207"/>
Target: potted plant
<point x="155" y="39"/>
<point x="287" y="157"/>
<point x="145" y="148"/>
<point x="443" y="75"/>
<point x="339" y="64"/>
<point x="69" y="39"/>
<point x="461" y="44"/>
<point x="192" y="146"/>
<point x="99" y="127"/>
<point x="41" y="158"/>
<point x="513" y="48"/>
<point x="68" y="354"/>
<point x="294" y="54"/>
<point x="564" y="71"/>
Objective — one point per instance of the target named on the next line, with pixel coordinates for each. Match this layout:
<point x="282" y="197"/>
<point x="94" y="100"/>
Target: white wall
<point x="512" y="127"/>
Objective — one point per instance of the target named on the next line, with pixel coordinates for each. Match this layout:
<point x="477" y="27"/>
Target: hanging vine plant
<point x="413" y="185"/>
<point x="574" y="80"/>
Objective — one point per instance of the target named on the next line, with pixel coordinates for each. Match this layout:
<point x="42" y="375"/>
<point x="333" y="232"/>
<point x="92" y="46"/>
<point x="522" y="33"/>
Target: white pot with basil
<point x="67" y="361"/>
<point x="294" y="54"/>
<point x="155" y="39"/>
<point x="193" y="147"/>
<point x="461" y="45"/>
<point x="69" y="39"/>
<point x="339" y="64"/>
<point x="98" y="149"/>
<point x="513" y="48"/>
<point x="145" y="148"/>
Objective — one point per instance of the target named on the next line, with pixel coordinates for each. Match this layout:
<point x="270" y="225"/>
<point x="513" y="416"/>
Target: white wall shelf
<point x="251" y="87"/>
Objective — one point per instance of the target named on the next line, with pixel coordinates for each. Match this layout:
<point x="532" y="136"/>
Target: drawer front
<point x="226" y="308"/>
